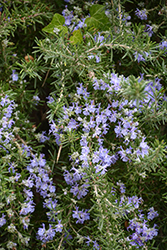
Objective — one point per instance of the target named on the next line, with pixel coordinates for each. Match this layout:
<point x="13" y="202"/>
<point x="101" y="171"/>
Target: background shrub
<point x="83" y="124"/>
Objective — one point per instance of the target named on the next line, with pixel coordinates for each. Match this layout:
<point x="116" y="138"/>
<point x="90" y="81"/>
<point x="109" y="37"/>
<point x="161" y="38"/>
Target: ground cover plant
<point x="83" y="124"/>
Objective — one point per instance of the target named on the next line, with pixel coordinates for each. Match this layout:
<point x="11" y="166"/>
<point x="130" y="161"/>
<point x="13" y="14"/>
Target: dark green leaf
<point x="98" y="18"/>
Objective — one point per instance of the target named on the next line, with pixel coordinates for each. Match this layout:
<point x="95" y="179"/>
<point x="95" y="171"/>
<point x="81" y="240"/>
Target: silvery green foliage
<point x="88" y="181"/>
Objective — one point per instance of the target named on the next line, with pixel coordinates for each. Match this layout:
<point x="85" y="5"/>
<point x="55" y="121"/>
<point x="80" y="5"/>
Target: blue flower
<point x="72" y="124"/>
<point x="79" y="191"/>
<point x="41" y="231"/>
<point x="139" y="57"/>
<point x="14" y="76"/>
<point x="34" y="162"/>
<point x="50" y="99"/>
<point x="152" y="214"/>
<point x="36" y="99"/>
<point x="88" y="240"/>
<point x="45" y="235"/>
<point x="144" y="147"/>
<point x="2" y="220"/>
<point x="25" y="221"/>
<point x="149" y="30"/>
<point x="97" y="59"/>
<point x="28" y="193"/>
<point x="98" y="38"/>
<point x="95" y="245"/>
<point x="118" y="130"/>
<point x="163" y="45"/>
<point x="27" y="208"/>
<point x="80" y="215"/>
<point x="59" y="226"/>
<point x="77" y="109"/>
<point x="42" y="161"/>
<point x="68" y="178"/>
<point x="122" y="187"/>
<point x="142" y="14"/>
<point x="28" y="183"/>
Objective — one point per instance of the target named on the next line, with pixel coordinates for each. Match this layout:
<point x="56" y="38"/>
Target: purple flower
<point x="44" y="186"/>
<point x="88" y="240"/>
<point x="17" y="176"/>
<point x="163" y="45"/>
<point x="45" y="235"/>
<point x="68" y="178"/>
<point x="28" y="183"/>
<point x="86" y="109"/>
<point x="96" y="158"/>
<point x="34" y="162"/>
<point x="77" y="109"/>
<point x="9" y="111"/>
<point x="149" y="30"/>
<point x="43" y="137"/>
<point x="79" y="191"/>
<point x="50" y="99"/>
<point x="142" y="14"/>
<point x="50" y="233"/>
<point x="144" y="147"/>
<point x="96" y="84"/>
<point x="41" y="231"/>
<point x="97" y="131"/>
<point x="4" y="101"/>
<point x="113" y="116"/>
<point x="115" y="82"/>
<point x="102" y="168"/>
<point x="59" y="226"/>
<point x="142" y="232"/>
<point x="80" y="215"/>
<point x="72" y="124"/>
<point x="76" y="176"/>
<point x="25" y="221"/>
<point x="2" y="220"/>
<point x="14" y="76"/>
<point x="98" y="38"/>
<point x="95" y="245"/>
<point x="55" y="132"/>
<point x="49" y="203"/>
<point x="133" y="133"/>
<point x="36" y="98"/>
<point x="42" y="161"/>
<point x="122" y="187"/>
<point x="103" y="85"/>
<point x="28" y="193"/>
<point x="27" y="208"/>
<point x="118" y="130"/>
<point x="135" y="201"/>
<point x="11" y="168"/>
<point x="97" y="59"/>
<point x="139" y="57"/>
<point x="152" y="214"/>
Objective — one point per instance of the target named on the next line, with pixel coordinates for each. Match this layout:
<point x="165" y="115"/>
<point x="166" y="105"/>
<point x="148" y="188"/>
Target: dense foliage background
<point x="83" y="135"/>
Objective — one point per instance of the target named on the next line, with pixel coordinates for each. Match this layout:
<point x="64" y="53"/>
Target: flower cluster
<point x="48" y="235"/>
<point x="142" y="14"/>
<point x="142" y="232"/>
<point x="87" y="167"/>
<point x="37" y="176"/>
<point x="94" y="122"/>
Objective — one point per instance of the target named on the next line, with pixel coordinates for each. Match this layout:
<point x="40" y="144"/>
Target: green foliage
<point x="56" y="25"/>
<point x="83" y="117"/>
<point x="134" y="89"/>
<point x="98" y="18"/>
<point x="76" y="37"/>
